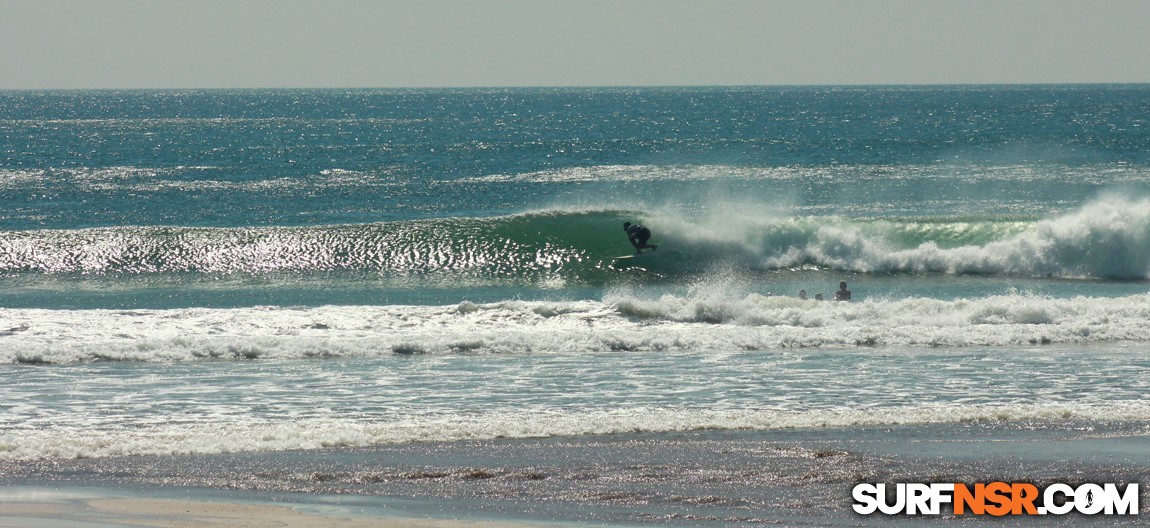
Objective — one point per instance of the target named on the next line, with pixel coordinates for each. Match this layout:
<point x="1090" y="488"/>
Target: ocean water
<point x="417" y="292"/>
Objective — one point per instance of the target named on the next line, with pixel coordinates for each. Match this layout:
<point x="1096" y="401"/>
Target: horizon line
<point x="577" y="86"/>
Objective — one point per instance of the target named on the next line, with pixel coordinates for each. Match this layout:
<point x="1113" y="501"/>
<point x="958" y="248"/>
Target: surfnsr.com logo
<point x="994" y="498"/>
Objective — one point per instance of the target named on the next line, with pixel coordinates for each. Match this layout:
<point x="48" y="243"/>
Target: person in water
<point x="843" y="294"/>
<point x="638" y="235"/>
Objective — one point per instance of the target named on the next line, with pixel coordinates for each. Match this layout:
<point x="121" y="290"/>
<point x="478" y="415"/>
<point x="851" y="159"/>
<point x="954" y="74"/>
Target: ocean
<point x="411" y="300"/>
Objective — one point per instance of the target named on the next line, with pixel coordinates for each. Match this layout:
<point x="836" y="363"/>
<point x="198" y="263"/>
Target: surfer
<point x="638" y="235"/>
<point x="803" y="294"/>
<point x="843" y="294"/>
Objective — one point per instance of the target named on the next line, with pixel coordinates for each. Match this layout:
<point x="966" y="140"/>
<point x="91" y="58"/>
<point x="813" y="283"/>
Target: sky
<point x="65" y="44"/>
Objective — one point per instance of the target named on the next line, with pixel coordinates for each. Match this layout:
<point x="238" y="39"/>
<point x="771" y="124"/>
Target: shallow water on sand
<point x="798" y="477"/>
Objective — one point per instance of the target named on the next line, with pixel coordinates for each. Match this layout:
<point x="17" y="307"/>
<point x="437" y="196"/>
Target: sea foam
<point x="704" y="320"/>
<point x="1108" y="237"/>
<point x="236" y="434"/>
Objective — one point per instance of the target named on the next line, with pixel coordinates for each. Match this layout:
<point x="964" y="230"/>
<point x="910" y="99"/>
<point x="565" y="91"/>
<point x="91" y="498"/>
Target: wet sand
<point x="45" y="508"/>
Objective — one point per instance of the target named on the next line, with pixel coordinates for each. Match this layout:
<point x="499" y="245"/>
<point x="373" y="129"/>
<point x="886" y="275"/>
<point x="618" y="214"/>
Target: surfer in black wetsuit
<point x="638" y="235"/>
<point x="843" y="294"/>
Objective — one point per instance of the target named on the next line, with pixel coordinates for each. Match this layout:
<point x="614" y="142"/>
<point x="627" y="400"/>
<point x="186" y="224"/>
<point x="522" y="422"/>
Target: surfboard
<point x="637" y="255"/>
<point x="630" y="261"/>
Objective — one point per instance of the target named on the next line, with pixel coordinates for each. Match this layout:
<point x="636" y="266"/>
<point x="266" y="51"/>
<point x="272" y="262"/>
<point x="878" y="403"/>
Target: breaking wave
<point x="1108" y="238"/>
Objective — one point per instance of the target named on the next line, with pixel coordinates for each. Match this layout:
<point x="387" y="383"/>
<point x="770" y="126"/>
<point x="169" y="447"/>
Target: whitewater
<point x="716" y="319"/>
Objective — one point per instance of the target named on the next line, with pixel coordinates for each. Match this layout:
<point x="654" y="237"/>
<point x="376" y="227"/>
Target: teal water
<point x="202" y="273"/>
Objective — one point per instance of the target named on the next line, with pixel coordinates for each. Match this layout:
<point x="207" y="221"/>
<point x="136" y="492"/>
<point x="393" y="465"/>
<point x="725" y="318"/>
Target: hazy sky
<point x="404" y="43"/>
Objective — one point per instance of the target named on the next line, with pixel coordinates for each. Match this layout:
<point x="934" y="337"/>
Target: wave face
<point x="522" y="244"/>
<point x="1108" y="238"/>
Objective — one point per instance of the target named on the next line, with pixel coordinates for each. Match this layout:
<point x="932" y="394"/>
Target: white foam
<point x="582" y="386"/>
<point x="234" y="434"/>
<point x="1109" y="237"/>
<point x="709" y="318"/>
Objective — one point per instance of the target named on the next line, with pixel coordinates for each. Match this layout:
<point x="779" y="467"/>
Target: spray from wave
<point x="1108" y="238"/>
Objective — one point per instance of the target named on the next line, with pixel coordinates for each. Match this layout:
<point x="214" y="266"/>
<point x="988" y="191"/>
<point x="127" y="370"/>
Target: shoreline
<point x="795" y="477"/>
<point x="98" y="507"/>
